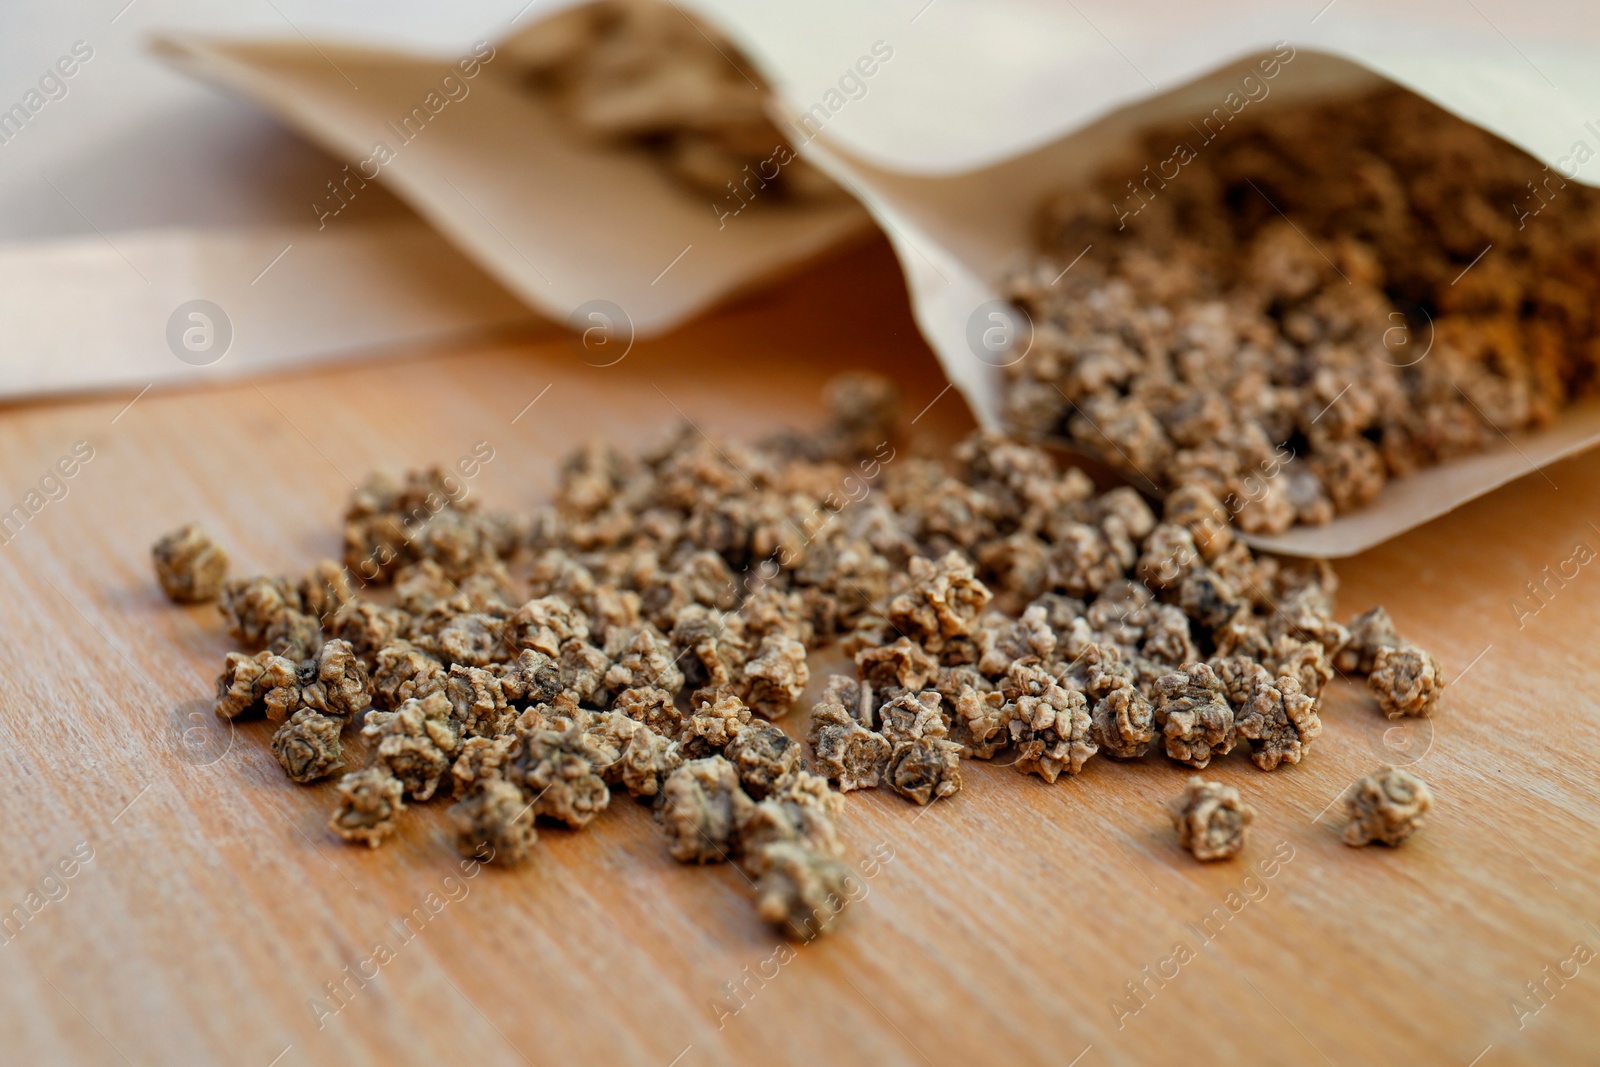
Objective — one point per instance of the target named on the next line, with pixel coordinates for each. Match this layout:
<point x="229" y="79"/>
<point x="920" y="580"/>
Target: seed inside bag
<point x="648" y="75"/>
<point x="1291" y="311"/>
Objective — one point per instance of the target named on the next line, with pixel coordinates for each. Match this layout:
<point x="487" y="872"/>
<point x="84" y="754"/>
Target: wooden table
<point x="1018" y="922"/>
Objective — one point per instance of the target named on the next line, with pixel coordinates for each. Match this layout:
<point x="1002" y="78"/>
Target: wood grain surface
<point x="1009" y="923"/>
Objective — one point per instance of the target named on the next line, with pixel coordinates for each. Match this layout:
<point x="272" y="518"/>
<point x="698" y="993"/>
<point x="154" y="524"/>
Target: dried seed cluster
<point x="1134" y="631"/>
<point x="648" y="75"/>
<point x="641" y="632"/>
<point x="637" y="634"/>
<point x="1291" y="368"/>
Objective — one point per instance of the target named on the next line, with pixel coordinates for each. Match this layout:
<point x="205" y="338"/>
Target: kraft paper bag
<point x="948" y="120"/>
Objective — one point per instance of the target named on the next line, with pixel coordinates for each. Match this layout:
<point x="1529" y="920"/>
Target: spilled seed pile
<point x="646" y="631"/>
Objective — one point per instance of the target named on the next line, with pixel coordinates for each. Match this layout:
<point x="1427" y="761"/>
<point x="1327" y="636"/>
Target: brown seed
<point x="495" y="818"/>
<point x="369" y="805"/>
<point x="307" y="746"/>
<point x="1406" y="681"/>
<point x="704" y="807"/>
<point x="190" y="566"/>
<point x="1388" y="806"/>
<point x="1210" y="819"/>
